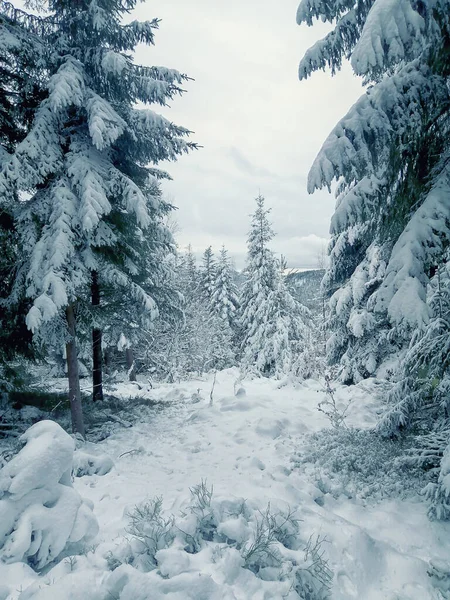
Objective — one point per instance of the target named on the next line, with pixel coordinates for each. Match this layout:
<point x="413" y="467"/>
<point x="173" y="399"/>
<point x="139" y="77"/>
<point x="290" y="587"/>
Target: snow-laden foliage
<point x="388" y="278"/>
<point x="207" y="274"/>
<point x="420" y="397"/>
<point x="20" y="91"/>
<point x="439" y="493"/>
<point x="352" y="462"/>
<point x="194" y="339"/>
<point x="252" y="548"/>
<point x="84" y="169"/>
<point x="390" y="157"/>
<point x="224" y="294"/>
<point x="41" y="512"/>
<point x="272" y="322"/>
<point x="357" y="335"/>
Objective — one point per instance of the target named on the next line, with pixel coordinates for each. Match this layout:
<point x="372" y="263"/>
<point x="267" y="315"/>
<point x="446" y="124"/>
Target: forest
<point x="177" y="420"/>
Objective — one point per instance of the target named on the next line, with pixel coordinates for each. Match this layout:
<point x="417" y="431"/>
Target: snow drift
<point x="40" y="511"/>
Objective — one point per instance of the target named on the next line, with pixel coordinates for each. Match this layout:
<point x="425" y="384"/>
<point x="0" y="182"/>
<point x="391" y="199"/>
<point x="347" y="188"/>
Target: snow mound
<point x="41" y="512"/>
<point x="89" y="463"/>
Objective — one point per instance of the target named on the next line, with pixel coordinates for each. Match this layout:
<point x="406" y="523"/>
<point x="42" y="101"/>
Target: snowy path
<point x="243" y="446"/>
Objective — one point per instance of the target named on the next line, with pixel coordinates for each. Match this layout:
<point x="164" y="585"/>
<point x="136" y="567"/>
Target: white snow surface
<point x="243" y="447"/>
<point x="40" y="512"/>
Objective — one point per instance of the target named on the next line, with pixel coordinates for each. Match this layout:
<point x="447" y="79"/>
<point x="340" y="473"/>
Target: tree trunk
<point x="97" y="367"/>
<point x="106" y="361"/>
<point x="73" y="375"/>
<point x="130" y="364"/>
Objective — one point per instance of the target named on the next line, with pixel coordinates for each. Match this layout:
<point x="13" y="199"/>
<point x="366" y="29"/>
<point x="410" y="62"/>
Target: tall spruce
<point x="208" y="273"/>
<point x="271" y="320"/>
<point x="224" y="295"/>
<point x="84" y="166"/>
<point x="390" y="154"/>
<point x="388" y="277"/>
<point x="21" y="51"/>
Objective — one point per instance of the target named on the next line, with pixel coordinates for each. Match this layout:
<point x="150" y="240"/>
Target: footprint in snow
<point x="269" y="428"/>
<point x="255" y="462"/>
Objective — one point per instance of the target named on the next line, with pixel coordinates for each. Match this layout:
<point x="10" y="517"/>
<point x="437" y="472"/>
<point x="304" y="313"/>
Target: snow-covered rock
<point x="40" y="511"/>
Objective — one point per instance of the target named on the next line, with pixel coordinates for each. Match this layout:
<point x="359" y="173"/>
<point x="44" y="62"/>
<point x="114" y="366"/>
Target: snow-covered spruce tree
<point x="207" y="274"/>
<point x="390" y="154"/>
<point x="207" y="343"/>
<point x="119" y="317"/>
<point x="422" y="394"/>
<point x="84" y="165"/>
<point x="272" y="329"/>
<point x="188" y="274"/>
<point x="261" y="281"/>
<point x="195" y="341"/>
<point x="358" y="336"/>
<point x="21" y="73"/>
<point x="420" y="399"/>
<point x="224" y="295"/>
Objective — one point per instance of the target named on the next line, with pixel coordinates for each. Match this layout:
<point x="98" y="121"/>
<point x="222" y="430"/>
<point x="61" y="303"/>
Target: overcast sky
<point x="260" y="127"/>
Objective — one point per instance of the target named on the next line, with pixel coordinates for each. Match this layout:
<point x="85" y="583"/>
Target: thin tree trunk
<point x="97" y="367"/>
<point x="106" y="361"/>
<point x="73" y="375"/>
<point x="129" y="356"/>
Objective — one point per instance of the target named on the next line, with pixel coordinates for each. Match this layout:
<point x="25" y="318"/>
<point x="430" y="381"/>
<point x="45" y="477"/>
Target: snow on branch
<point x="66" y="86"/>
<point x="393" y="32"/>
<point x="359" y="146"/>
<point x="333" y="48"/>
<point x="403" y="293"/>
<point x="105" y="125"/>
<point x="327" y="10"/>
<point x="357" y="204"/>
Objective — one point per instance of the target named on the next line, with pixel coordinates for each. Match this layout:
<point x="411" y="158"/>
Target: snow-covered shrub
<point x="151" y="531"/>
<point x="439" y="573"/>
<point x="361" y="463"/>
<point x="239" y="541"/>
<point x="426" y="451"/>
<point x="439" y="493"/>
<point x="276" y="533"/>
<point x="40" y="511"/>
<point x="329" y="407"/>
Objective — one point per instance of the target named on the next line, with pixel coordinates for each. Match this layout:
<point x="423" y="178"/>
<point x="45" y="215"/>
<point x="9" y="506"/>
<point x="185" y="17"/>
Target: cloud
<point x="260" y="127"/>
<point x="245" y="165"/>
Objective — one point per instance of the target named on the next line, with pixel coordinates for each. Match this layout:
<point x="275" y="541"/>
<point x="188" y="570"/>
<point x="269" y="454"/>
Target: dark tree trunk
<point x="73" y="375"/>
<point x="129" y="356"/>
<point x="97" y="367"/>
<point x="106" y="361"/>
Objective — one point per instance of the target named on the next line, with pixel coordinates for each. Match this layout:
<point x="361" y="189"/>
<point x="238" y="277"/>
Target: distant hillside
<point x="305" y="286"/>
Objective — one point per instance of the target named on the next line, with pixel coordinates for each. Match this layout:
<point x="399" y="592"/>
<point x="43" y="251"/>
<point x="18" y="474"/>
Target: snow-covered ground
<point x="242" y="446"/>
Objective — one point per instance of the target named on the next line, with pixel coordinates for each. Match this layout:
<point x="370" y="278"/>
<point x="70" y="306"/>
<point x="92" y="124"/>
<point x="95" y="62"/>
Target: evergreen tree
<point x="271" y="323"/>
<point x="124" y="324"/>
<point x="224" y="296"/>
<point x="195" y="341"/>
<point x="84" y="165"/>
<point x="390" y="154"/>
<point x="188" y="275"/>
<point x="261" y="280"/>
<point x="422" y="394"/>
<point x="389" y="277"/>
<point x="208" y="274"/>
<point x="21" y="51"/>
